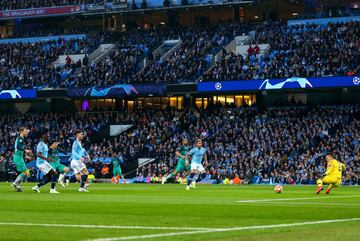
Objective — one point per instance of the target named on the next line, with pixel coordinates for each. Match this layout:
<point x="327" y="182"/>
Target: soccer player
<point x="198" y="154"/>
<point x="42" y="162"/>
<point x="18" y="159"/>
<point x="56" y="165"/>
<point x="182" y="164"/>
<point x="333" y="174"/>
<point x="117" y="172"/>
<point x="78" y="155"/>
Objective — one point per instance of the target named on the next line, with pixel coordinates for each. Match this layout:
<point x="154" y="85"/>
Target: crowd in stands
<point x="29" y="65"/>
<point x="302" y="50"/>
<point x="194" y="56"/>
<point x="244" y="145"/>
<point x="275" y="146"/>
<point x="25" y="4"/>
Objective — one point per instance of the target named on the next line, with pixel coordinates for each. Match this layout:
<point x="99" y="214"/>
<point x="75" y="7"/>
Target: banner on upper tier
<point x="118" y="90"/>
<point x="278" y="84"/>
<point x="17" y="94"/>
<point x="36" y="12"/>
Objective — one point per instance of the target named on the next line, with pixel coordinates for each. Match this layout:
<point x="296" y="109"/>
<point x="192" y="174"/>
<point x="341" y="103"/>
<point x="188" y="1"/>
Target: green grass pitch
<point x="169" y="212"/>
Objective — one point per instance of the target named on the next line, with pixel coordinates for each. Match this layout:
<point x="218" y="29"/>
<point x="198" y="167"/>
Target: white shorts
<point x="77" y="166"/>
<point x="197" y="167"/>
<point x="45" y="168"/>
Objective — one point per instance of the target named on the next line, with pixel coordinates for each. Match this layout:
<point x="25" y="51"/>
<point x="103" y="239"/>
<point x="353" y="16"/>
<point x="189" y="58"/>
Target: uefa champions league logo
<point x="356" y="80"/>
<point x="13" y="93"/>
<point x="129" y="89"/>
<point x="218" y="86"/>
<point x="303" y="83"/>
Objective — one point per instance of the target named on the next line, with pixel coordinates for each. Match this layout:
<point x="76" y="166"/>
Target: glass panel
<point x="221" y="99"/>
<point x="230" y="99"/>
<point x="164" y="102"/>
<point x="198" y="103"/>
<point x="238" y="100"/>
<point x="205" y="103"/>
<point x="247" y="100"/>
<point x="130" y="105"/>
<point x="156" y="103"/>
<point x="173" y="101"/>
<point x="180" y="102"/>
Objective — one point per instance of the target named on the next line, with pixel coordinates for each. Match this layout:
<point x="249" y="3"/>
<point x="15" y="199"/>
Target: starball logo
<point x="356" y="80"/>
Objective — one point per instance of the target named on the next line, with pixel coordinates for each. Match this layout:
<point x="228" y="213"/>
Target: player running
<point x="56" y="165"/>
<point x="18" y="159"/>
<point x="182" y="164"/>
<point x="198" y="154"/>
<point x="117" y="172"/>
<point x="333" y="174"/>
<point x="78" y="155"/>
<point x="42" y="162"/>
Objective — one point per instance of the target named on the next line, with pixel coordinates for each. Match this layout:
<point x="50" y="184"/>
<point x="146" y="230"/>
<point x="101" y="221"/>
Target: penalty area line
<point x="218" y="230"/>
<point x="313" y="203"/>
<point x="293" y="199"/>
<point x="101" y="226"/>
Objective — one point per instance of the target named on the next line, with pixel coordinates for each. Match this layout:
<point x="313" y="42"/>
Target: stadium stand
<point x="300" y="50"/>
<point x="305" y="50"/>
<point x="25" y="4"/>
<point x="257" y="146"/>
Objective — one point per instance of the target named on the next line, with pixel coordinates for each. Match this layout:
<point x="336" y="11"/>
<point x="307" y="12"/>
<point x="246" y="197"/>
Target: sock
<point x="169" y="176"/>
<point x="319" y="182"/>
<point x="201" y="177"/>
<point x="19" y="179"/>
<point x="330" y="186"/>
<point x="61" y="177"/>
<point x="83" y="180"/>
<point x="190" y="178"/>
<point x="44" y="181"/>
<point x="54" y="180"/>
<point x="114" y="180"/>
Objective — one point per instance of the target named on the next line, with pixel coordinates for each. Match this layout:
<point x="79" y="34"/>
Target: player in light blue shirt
<point x="198" y="154"/>
<point x="42" y="162"/>
<point x="43" y="150"/>
<point x="78" y="155"/>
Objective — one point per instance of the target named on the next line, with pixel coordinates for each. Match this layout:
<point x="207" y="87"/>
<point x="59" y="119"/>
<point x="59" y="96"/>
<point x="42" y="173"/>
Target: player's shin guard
<point x="83" y="180"/>
<point x="190" y="179"/>
<point x="319" y="182"/>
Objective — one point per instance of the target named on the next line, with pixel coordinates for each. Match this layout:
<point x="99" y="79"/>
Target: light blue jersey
<point x="77" y="151"/>
<point x="44" y="149"/>
<point x="197" y="155"/>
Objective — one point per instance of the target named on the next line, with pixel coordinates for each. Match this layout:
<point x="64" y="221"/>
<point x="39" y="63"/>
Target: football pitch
<point x="169" y="212"/>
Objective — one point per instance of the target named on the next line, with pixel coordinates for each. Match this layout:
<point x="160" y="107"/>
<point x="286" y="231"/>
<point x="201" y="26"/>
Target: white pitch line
<point x="294" y="199"/>
<point x="101" y="226"/>
<point x="285" y="225"/>
<point x="313" y="203"/>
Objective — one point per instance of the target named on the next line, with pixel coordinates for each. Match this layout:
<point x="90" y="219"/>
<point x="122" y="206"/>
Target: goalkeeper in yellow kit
<point x="332" y="176"/>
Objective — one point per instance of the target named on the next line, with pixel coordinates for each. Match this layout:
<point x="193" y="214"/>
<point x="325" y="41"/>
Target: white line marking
<point x="291" y="199"/>
<point x="313" y="203"/>
<point x="102" y="226"/>
<point x="286" y="225"/>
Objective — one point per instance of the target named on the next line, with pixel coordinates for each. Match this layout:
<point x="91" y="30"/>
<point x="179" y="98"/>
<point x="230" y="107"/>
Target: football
<point x="278" y="189"/>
